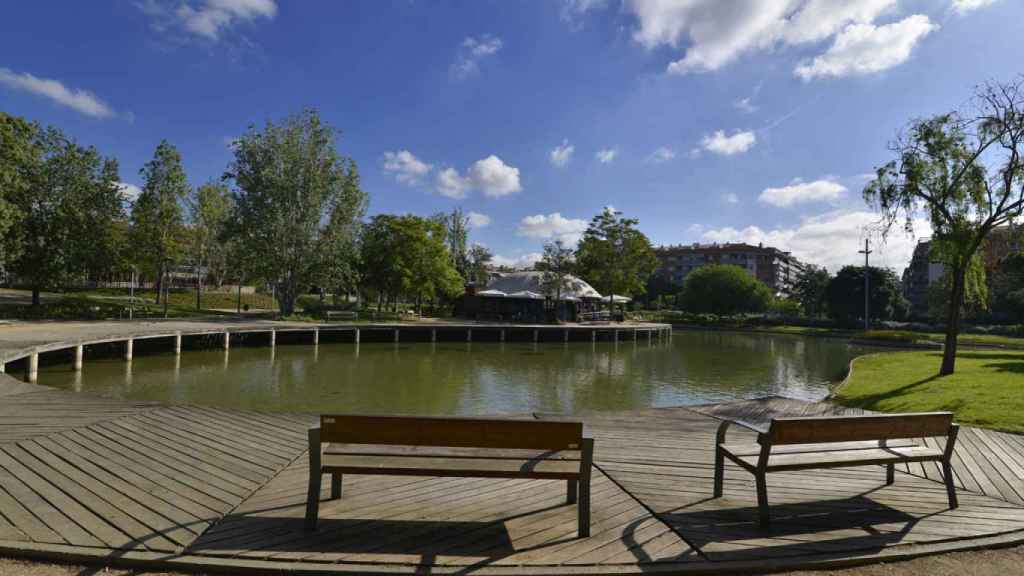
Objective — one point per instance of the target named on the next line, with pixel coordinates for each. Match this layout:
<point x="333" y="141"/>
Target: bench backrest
<point x="452" y="432"/>
<point x="811" y="430"/>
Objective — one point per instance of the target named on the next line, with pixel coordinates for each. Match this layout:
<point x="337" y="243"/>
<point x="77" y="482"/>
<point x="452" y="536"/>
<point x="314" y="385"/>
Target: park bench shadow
<point x="721" y="530"/>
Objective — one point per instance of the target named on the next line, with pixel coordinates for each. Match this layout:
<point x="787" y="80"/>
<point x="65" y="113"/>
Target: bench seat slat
<point x="444" y="466"/>
<point x="452" y="452"/>
<point x="852" y="457"/>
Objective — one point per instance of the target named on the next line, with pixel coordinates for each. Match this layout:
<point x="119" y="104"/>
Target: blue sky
<point x="751" y="120"/>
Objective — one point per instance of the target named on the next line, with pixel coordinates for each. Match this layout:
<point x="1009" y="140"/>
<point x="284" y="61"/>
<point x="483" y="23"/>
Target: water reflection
<point x="474" y="378"/>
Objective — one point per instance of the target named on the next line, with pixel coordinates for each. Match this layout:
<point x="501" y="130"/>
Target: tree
<point x="479" y="264"/>
<point x="615" y="257"/>
<point x="157" y="216"/>
<point x="19" y="152"/>
<point x="810" y="289"/>
<point x="408" y="255"/>
<point x="845" y="295"/>
<point x="291" y="188"/>
<point x="724" y="289"/>
<point x="209" y="207"/>
<point x="556" y="266"/>
<point x="67" y="206"/>
<point x="458" y="241"/>
<point x="965" y="172"/>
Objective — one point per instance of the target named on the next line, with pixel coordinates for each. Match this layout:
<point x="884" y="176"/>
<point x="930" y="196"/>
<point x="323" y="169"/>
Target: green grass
<point x="987" y="389"/>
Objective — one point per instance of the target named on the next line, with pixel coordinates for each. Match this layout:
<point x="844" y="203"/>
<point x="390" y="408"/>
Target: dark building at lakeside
<point x="773" y="267"/>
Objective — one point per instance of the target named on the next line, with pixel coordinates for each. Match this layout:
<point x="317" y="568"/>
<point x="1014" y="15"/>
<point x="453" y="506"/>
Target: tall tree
<point x="157" y="215"/>
<point x="724" y="289"/>
<point x="810" y="289"/>
<point x="209" y="207"/>
<point x="67" y="210"/>
<point x="965" y="172"/>
<point x="19" y="153"/>
<point x="615" y="257"/>
<point x="556" y="266"/>
<point x="458" y="241"/>
<point x="339" y="243"/>
<point x="290" y="185"/>
<point x="845" y="295"/>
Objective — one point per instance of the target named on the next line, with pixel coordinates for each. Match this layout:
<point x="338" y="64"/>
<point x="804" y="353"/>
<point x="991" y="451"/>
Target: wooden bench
<point x="459" y="447"/>
<point x="838" y="441"/>
<point x="341" y="314"/>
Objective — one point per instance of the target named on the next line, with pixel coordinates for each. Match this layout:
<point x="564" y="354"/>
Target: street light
<point x="867" y="315"/>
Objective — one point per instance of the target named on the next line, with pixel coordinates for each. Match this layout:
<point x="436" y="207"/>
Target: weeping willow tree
<point x="964" y="172"/>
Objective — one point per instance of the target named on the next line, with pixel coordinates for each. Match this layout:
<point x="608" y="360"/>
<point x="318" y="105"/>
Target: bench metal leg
<point x="762" y="500"/>
<point x="571" y="487"/>
<point x="313" y="496"/>
<point x="335" y="485"/>
<point x="947" y="474"/>
<point x="719" y="471"/>
<point x="583" y="507"/>
<point x="890" y="474"/>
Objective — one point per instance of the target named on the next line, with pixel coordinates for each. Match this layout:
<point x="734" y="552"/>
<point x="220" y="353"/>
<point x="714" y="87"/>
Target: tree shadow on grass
<point x="872" y="400"/>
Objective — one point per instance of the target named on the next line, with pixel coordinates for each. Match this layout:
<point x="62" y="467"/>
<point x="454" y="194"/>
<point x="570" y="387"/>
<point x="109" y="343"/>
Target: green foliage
<point x="209" y="208"/>
<point x="724" y="289"/>
<point x="786" y="307"/>
<point x="157" y="234"/>
<point x="964" y="173"/>
<point x="19" y="152"/>
<point x="68" y="202"/>
<point x="293" y="189"/>
<point x="845" y="295"/>
<point x="556" y="266"/>
<point x="614" y="256"/>
<point x="811" y="289"/>
<point x="457" y="228"/>
<point x="408" y="255"/>
<point x="975" y="299"/>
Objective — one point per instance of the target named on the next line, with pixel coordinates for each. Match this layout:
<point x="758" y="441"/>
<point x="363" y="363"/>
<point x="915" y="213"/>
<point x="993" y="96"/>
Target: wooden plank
<point x="454" y="432"/>
<point x="817" y="429"/>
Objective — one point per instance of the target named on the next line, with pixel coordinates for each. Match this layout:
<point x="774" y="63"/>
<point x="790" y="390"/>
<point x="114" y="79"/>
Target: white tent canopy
<point x="492" y="293"/>
<point x="526" y="294"/>
<point x="533" y="281"/>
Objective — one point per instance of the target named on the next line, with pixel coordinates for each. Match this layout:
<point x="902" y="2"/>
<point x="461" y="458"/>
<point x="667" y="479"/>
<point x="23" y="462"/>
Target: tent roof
<point x="532" y="281"/>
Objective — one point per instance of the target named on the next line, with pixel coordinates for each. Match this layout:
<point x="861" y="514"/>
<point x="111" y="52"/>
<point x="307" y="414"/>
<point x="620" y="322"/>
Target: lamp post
<point x="867" y="315"/>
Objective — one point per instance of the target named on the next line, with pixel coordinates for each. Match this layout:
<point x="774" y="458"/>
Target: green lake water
<point x="479" y="378"/>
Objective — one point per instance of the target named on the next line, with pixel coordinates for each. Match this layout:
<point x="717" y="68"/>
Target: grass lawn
<point x="987" y="389"/>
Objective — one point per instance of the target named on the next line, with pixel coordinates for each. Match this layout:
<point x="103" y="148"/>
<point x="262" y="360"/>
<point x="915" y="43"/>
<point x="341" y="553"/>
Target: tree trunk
<point x="159" y="285"/>
<point x="285" y="300"/>
<point x="199" y="291"/>
<point x="35" y="296"/>
<point x="956" y="298"/>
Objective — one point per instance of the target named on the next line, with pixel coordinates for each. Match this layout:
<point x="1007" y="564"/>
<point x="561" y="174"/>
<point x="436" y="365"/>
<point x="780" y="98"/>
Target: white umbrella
<point x="616" y="299"/>
<point x="497" y="293"/>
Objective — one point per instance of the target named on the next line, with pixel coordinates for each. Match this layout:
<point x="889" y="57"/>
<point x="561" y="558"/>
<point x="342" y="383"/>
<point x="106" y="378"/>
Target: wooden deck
<point x="149" y="485"/>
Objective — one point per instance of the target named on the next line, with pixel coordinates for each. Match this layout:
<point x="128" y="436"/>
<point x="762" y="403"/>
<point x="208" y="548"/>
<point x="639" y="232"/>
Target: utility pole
<point x="867" y="316"/>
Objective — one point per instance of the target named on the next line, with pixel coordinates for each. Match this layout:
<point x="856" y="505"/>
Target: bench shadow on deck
<point x="206" y="487"/>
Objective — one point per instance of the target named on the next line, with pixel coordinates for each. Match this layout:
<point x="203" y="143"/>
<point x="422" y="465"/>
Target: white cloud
<point x="965" y="6"/>
<point x="81" y="101"/>
<point x="490" y="175"/>
<point x="478" y="220"/>
<point x="523" y="261"/>
<point x="493" y="177"/>
<point x="714" y="33"/>
<point x="208" y="19"/>
<point x="719" y="143"/>
<point x="832" y="239"/>
<point x="451" y="184"/>
<point x="471" y="52"/>
<point x="800" y="192"/>
<point x="662" y="154"/>
<point x="131" y="191"/>
<point x="745" y="105"/>
<point x="731" y="198"/>
<point x="406" y="167"/>
<point x="552" y="227"/>
<point x="606" y="155"/>
<point x="866" y="48"/>
<point x="561" y="154"/>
